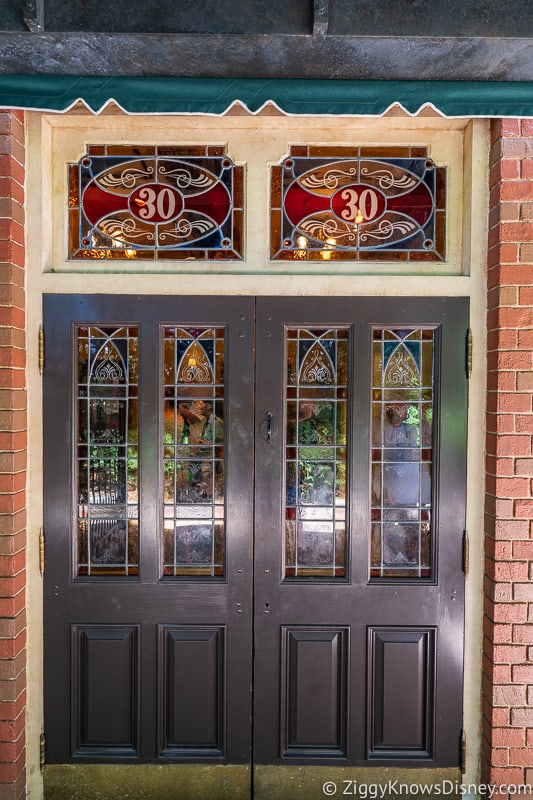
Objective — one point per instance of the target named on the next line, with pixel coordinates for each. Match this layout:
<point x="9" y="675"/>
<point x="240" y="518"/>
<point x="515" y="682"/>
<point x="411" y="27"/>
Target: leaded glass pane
<point x="402" y="453"/>
<point x="107" y="451"/>
<point x="357" y="203"/>
<point x="193" y="452"/>
<point x="315" y="465"/>
<point x="150" y="202"/>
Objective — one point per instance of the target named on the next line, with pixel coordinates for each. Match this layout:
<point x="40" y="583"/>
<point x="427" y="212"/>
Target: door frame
<point x="47" y="276"/>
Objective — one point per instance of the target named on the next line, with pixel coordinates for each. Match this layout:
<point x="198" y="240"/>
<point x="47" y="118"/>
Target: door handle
<point x="269" y="429"/>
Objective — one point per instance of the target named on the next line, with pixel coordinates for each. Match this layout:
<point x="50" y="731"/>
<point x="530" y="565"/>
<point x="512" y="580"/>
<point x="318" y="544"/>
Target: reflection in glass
<point x="402" y="439"/>
<point x="107" y="463"/>
<point x="315" y="465"/>
<point x="193" y="452"/>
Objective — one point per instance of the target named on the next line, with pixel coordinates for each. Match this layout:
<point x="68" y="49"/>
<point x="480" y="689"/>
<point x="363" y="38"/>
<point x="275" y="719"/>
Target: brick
<point x="518" y="190"/>
<point x="508" y="446"/>
<point x="10" y="772"/>
<point x="15" y="791"/>
<point x="526" y="211"/>
<point x="523" y="508"/>
<point x="501" y="634"/>
<point x="505" y="776"/>
<point x="11" y="710"/>
<point x="493" y="466"/>
<point x="522" y="673"/>
<point x="523" y="592"/>
<point x="511" y="529"/>
<point x="10" y="730"/>
<point x="522" y="756"/>
<point x="500" y="550"/>
<point x="500" y="423"/>
<point x="500" y="757"/>
<point x="12" y="669"/>
<point x="498" y="507"/>
<point x="509" y="170"/>
<point x="511" y="572"/>
<point x="526" y="168"/>
<point x="510" y="127"/>
<point x="502" y="253"/>
<point x="524" y="381"/>
<point x="11" y="168"/>
<point x="508" y="737"/>
<point x="526" y="295"/>
<point x="525" y="339"/>
<point x="504" y="212"/>
<point x="10" y="627"/>
<point x="510" y="360"/>
<point x="527" y="127"/>
<point x="510" y="317"/>
<point x="12" y="564"/>
<point x="502" y="486"/>
<point x="510" y="654"/>
<point x="12" y="524"/>
<point x="11" y="606"/>
<point x="509" y="696"/>
<point x="523" y="634"/>
<point x="510" y="612"/>
<point x="514" y="148"/>
<point x="522" y="717"/>
<point x="523" y="550"/>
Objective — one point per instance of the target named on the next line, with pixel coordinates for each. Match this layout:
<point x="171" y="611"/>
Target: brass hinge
<point x="462" y="753"/>
<point x="466" y="553"/>
<point x="41" y="349"/>
<point x="41" y="551"/>
<point x="468" y="353"/>
<point x="42" y="751"/>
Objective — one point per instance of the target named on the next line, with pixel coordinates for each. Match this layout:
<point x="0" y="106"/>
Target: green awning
<point x="162" y="95"/>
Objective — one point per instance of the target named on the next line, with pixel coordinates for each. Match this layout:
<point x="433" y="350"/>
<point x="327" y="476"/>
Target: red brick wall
<point x="12" y="459"/>
<point x="508" y="617"/>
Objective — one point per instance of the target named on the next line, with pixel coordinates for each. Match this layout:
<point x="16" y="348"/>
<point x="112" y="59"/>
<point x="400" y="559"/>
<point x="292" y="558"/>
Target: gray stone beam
<point x="268" y="56"/>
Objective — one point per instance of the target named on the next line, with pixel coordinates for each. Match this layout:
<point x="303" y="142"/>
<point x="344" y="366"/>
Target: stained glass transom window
<point x="315" y="472"/>
<point x="107" y="452"/>
<point x="402" y="453"/>
<point x="147" y="202"/>
<point x="193" y="452"/>
<point x="362" y="204"/>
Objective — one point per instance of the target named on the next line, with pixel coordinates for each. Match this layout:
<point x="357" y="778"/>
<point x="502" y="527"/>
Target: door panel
<point x="357" y="647"/>
<point x="155" y="661"/>
<point x="282" y="477"/>
<point x="401" y="677"/>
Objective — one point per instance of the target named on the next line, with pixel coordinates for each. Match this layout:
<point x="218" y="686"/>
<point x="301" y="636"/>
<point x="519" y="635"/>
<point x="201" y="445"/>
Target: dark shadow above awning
<point x="165" y="95"/>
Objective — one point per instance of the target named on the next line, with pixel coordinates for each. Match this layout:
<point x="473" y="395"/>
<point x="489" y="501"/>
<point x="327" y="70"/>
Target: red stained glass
<point x="359" y="204"/>
<point x="150" y="203"/>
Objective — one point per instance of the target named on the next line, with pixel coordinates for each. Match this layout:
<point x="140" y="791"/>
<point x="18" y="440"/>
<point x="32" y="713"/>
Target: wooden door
<point x="148" y="518"/>
<point x="346" y="586"/>
<point x="360" y="514"/>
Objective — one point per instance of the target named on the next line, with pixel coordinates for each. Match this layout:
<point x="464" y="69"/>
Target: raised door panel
<point x="314" y="690"/>
<point x="401" y="667"/>
<point x="105" y="690"/>
<point x="192" y="695"/>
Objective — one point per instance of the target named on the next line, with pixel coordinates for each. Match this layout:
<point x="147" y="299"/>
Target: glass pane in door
<point x="107" y="451"/>
<point x="402" y="453"/>
<point x="193" y="452"/>
<point x="315" y="467"/>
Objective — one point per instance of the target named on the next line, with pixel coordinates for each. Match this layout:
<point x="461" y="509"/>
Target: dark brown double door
<point x="254" y="513"/>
